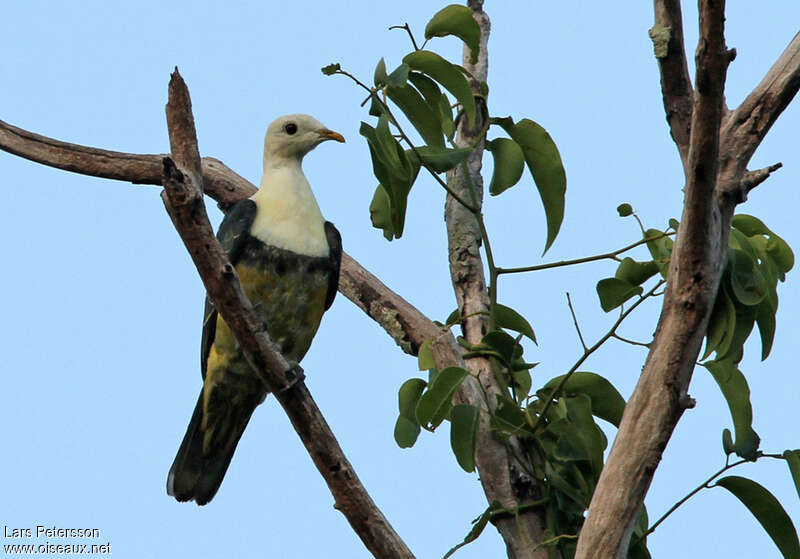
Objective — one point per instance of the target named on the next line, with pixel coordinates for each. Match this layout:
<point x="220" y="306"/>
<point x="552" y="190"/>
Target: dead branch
<point x="183" y="196"/>
<point x="745" y="127"/>
<point x="676" y="85"/>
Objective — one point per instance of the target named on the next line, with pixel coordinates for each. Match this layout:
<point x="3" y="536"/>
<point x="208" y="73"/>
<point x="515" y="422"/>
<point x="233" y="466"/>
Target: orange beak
<point x="330" y="135"/>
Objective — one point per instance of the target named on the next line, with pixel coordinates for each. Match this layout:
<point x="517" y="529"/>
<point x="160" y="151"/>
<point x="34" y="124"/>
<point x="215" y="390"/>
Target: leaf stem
<point x="704" y="485"/>
<point x="605" y="256"/>
<point x="632" y="342"/>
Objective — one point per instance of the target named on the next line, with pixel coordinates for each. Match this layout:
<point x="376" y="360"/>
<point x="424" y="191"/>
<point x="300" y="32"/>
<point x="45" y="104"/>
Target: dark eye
<point x="290" y="128"/>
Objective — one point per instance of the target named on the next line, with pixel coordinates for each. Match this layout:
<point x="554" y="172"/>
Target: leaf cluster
<point x="557" y="440"/>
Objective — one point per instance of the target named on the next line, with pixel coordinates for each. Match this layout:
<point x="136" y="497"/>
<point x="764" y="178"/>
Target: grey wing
<point x="232" y="235"/>
<point x="335" y="245"/>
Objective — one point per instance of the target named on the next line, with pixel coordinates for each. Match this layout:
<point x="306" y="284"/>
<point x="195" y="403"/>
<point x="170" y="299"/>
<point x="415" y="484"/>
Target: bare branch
<point x="676" y="85"/>
<point x="752" y="179"/>
<point x="661" y="395"/>
<point x="745" y="127"/>
<point x="221" y="183"/>
<point x="184" y="200"/>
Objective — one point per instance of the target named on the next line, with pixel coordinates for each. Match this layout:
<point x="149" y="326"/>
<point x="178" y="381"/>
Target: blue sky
<point x="102" y="306"/>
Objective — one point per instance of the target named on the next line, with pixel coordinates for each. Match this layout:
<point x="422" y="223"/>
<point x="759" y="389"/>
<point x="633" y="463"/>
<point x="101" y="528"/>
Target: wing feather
<point x="232" y="235"/>
<point x="335" y="245"/>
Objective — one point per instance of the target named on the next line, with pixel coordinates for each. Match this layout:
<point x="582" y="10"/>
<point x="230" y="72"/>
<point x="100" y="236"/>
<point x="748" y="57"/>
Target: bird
<point x="287" y="258"/>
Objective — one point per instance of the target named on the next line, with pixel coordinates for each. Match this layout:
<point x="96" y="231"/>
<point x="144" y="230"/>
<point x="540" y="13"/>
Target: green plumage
<point x="290" y="293"/>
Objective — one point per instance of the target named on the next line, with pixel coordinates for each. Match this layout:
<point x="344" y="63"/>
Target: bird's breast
<point x="288" y="293"/>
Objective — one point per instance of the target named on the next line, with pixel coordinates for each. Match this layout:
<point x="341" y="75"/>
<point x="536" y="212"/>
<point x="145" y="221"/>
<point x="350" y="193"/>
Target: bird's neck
<point x="288" y="215"/>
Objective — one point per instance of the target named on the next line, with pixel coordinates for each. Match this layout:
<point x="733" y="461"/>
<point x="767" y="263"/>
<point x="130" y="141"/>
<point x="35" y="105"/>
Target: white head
<point x="293" y="136"/>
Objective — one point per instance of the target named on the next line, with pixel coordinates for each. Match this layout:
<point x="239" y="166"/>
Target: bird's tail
<point x="197" y="475"/>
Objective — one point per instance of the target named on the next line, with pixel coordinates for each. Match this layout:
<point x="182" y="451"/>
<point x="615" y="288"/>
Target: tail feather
<point x="195" y="475"/>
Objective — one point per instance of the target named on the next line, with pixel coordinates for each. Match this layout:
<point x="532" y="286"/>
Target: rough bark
<point x="676" y="85"/>
<point x="715" y="160"/>
<point x="183" y="196"/>
<point x="502" y="479"/>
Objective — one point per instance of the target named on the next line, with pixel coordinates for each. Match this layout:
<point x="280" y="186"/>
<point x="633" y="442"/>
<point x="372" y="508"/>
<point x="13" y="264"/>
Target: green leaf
<point x="556" y="477"/>
<point x="748" y="284"/>
<point x="660" y="248"/>
<point x="765" y="319"/>
<point x="425" y="358"/>
<point x="476" y="530"/>
<point x="734" y="388"/>
<point x="506" y="317"/>
<point x="430" y="91"/>
<point x="380" y="212"/>
<point x="579" y="437"/>
<point x="435" y="404"/>
<point x="727" y="442"/>
<point x="636" y="273"/>
<point x="392" y="168"/>
<point x="502" y="344"/>
<point x="750" y="225"/>
<point x="625" y="210"/>
<point x="447" y="74"/>
<point x="674" y="223"/>
<point x="399" y="76"/>
<point x="793" y="460"/>
<point x="331" y="69"/>
<point x="544" y="163"/>
<point x="508" y="418"/>
<point x="607" y="402"/>
<point x="767" y="510"/>
<point x="380" y="77"/>
<point x="522" y="383"/>
<point x="456" y="20"/>
<point x="446" y="116"/>
<point x="781" y="253"/>
<point x="613" y="292"/>
<point x="375" y="106"/>
<point x="436" y="100"/>
<point x="418" y="112"/>
<point x="721" y="325"/>
<point x="509" y="163"/>
<point x="406" y="432"/>
<point x="745" y="320"/>
<point x="439" y="159"/>
<point x="408" y="397"/>
<point x="454" y="317"/>
<point x="464" y="434"/>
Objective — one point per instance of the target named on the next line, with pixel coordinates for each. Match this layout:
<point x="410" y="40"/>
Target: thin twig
<point x="632" y="342"/>
<point x="575" y="321"/>
<point x="410" y="34"/>
<point x="561" y="263"/>
<point x="704" y="485"/>
<point x="556" y="539"/>
<point x="554" y="394"/>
